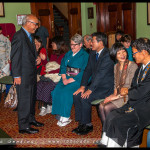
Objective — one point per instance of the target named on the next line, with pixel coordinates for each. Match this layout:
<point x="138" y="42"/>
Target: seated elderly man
<point x="124" y="126"/>
<point x="88" y="42"/>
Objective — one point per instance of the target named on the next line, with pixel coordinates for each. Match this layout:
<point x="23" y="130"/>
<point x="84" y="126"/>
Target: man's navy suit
<point x="100" y="73"/>
<point x="23" y="58"/>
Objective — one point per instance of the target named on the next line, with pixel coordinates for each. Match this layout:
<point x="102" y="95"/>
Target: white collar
<point x="75" y="53"/>
<point x="143" y="66"/>
<point x="99" y="52"/>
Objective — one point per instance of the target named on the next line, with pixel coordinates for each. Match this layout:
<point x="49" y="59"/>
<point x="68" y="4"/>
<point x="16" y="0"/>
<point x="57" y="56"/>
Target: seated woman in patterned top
<point x="123" y="73"/>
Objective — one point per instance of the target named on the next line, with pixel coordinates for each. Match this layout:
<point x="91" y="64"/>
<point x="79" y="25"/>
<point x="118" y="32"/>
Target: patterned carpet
<point x="50" y="135"/>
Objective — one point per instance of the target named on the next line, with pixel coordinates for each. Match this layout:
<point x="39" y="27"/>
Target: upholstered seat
<point x="98" y="101"/>
<point x="148" y="127"/>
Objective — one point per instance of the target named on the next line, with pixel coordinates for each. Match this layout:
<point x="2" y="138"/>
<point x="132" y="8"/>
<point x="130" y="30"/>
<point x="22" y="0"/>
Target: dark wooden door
<point x="116" y="16"/>
<point x="44" y="11"/>
<point x="74" y="14"/>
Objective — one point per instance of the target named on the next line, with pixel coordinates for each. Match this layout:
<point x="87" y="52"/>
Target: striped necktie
<point x="141" y="74"/>
<point x="97" y="54"/>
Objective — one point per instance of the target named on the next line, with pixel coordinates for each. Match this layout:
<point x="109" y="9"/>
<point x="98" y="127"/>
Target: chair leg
<point x="39" y="104"/>
<point x="0" y="95"/>
<point x="97" y="108"/>
<point x="0" y="92"/>
<point x="5" y="95"/>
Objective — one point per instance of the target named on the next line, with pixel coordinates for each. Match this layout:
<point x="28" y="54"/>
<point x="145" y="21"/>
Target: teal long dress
<point x="62" y="95"/>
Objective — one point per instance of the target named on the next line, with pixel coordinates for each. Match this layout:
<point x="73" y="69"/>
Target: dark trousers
<point x="83" y="108"/>
<point x="26" y="95"/>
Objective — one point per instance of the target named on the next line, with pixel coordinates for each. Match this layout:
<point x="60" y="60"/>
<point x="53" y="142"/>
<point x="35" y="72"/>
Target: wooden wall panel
<point x="74" y="15"/>
<point x="116" y="16"/>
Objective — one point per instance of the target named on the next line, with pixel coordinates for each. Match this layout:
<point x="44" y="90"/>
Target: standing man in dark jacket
<point x="100" y="69"/>
<point x="24" y="60"/>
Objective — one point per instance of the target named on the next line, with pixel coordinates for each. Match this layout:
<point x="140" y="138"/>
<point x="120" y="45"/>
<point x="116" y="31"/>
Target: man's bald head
<point x="30" y="23"/>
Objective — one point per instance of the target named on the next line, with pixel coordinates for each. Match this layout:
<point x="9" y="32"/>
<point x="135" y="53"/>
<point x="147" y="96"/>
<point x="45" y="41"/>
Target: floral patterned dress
<point x="5" y="48"/>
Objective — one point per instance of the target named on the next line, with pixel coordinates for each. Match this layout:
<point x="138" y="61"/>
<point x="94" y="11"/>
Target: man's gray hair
<point x="77" y="38"/>
<point x="24" y="20"/>
<point x="88" y="37"/>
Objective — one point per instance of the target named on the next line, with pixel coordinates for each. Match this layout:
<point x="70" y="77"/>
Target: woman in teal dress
<point x="71" y="71"/>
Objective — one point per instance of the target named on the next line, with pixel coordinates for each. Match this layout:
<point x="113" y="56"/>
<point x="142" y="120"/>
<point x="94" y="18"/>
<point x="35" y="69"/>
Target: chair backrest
<point x="111" y="38"/>
<point x="8" y="30"/>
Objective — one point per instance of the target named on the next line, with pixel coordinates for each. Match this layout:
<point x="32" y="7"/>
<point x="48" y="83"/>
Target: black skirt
<point x="121" y="126"/>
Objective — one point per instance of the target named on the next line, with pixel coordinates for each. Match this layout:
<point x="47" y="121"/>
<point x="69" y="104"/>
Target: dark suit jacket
<point x="23" y="58"/>
<point x="139" y="98"/>
<point x="101" y="74"/>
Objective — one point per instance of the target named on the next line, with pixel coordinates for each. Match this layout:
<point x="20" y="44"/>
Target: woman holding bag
<point x="71" y="70"/>
<point x="46" y="85"/>
<point x="123" y="73"/>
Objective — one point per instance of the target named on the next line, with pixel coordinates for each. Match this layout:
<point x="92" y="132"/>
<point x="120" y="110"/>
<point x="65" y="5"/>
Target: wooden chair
<point x="5" y="80"/>
<point x="111" y="38"/>
<point x="148" y="137"/>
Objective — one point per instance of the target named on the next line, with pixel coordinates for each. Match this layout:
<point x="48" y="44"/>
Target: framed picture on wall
<point x="90" y="13"/>
<point x="148" y="13"/>
<point x="19" y="19"/>
<point x="2" y="14"/>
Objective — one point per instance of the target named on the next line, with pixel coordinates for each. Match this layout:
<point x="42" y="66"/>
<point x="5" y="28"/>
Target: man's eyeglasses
<point x="74" y="45"/>
<point x="37" y="24"/>
<point x="134" y="53"/>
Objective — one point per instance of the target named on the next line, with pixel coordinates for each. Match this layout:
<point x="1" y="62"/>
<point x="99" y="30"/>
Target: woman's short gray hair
<point x="77" y="38"/>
